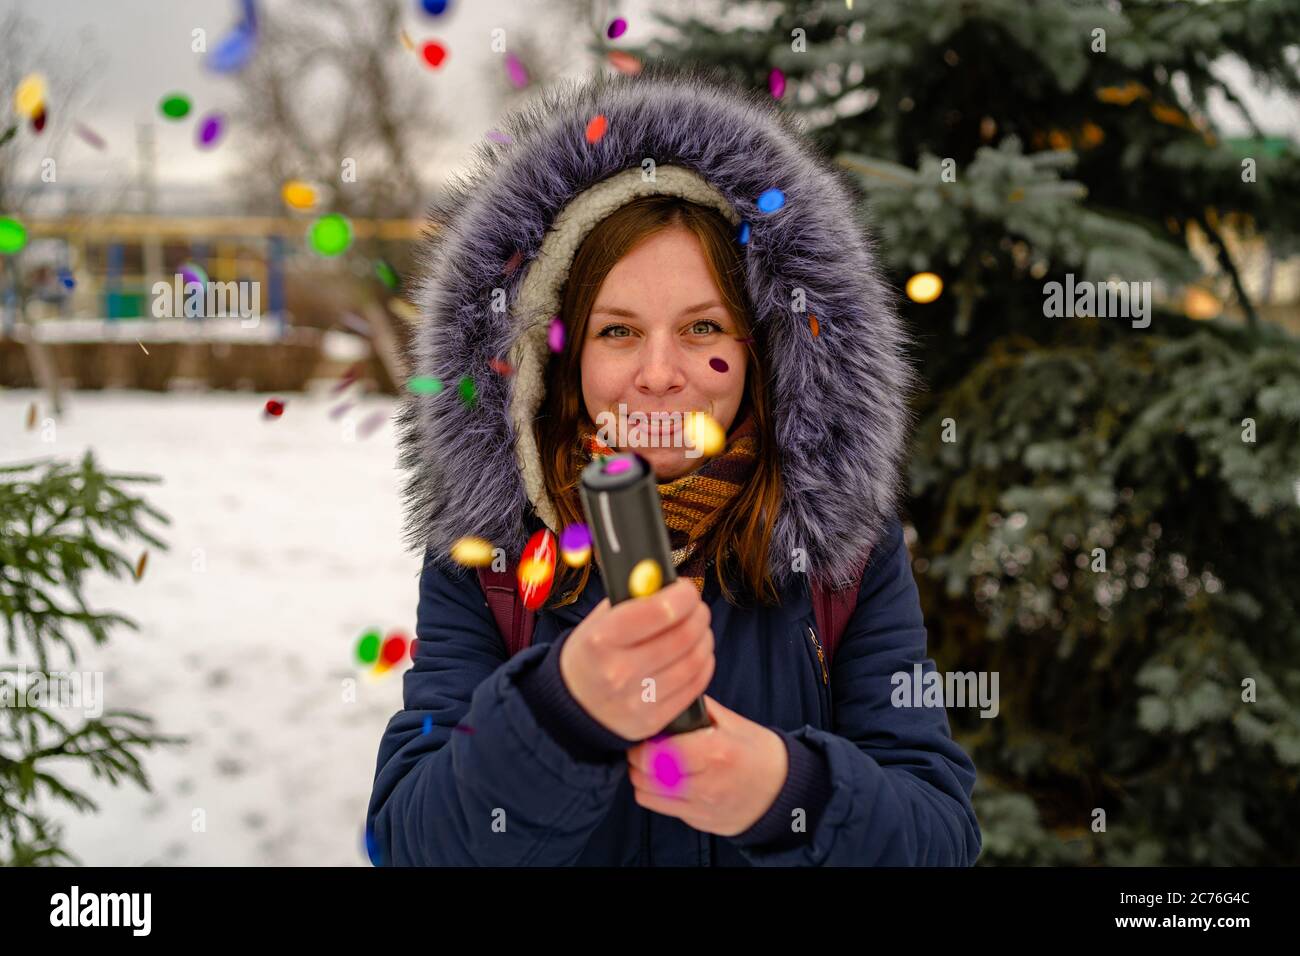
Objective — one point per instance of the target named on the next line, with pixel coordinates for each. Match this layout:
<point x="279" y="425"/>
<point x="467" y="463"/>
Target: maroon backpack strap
<point x="514" y="621"/>
<point x="832" y="608"/>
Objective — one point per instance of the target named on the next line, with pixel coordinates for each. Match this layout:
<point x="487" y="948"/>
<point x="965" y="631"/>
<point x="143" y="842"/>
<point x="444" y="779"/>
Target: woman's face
<point x="659" y="339"/>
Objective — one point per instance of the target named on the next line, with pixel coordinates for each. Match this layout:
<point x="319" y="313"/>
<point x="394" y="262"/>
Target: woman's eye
<point x="714" y="326"/>
<point x="605" y="332"/>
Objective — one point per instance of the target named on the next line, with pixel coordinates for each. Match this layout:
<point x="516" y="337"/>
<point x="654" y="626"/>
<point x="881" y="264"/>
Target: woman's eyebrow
<point x="615" y="310"/>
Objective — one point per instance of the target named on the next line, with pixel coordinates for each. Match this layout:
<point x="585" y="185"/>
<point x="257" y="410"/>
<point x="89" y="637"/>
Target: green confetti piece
<point x="386" y="274"/>
<point x="13" y="236"/>
<point x="466" y="389"/>
<point x="368" y="647"/>
<point x="175" y="106"/>
<point x="424" y="385"/>
<point x="331" y="234"/>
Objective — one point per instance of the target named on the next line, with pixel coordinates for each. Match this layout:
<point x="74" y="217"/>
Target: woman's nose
<point x="661" y="366"/>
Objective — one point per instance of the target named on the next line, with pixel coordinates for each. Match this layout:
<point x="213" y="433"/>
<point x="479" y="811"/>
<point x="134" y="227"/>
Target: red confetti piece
<point x="274" y="408"/>
<point x="38" y="119"/>
<point x="394" y="649"/>
<point x="537" y="569"/>
<point x="433" y="53"/>
<point x="746" y="340"/>
<point x="513" y="263"/>
<point x="500" y="367"/>
<point x="597" y="127"/>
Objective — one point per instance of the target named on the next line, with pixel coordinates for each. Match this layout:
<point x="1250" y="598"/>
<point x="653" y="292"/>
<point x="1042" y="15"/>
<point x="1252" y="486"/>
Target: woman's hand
<point x="720" y="779"/>
<point x="664" y="637"/>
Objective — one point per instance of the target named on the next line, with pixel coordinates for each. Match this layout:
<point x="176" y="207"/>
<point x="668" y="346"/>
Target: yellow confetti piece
<point x="406" y="41"/>
<point x="403" y="309"/>
<point x="924" y="287"/>
<point x="139" y="566"/>
<point x="646" y="578"/>
<point x="298" y="194"/>
<point x="472" y="552"/>
<point x="702" y="431"/>
<point x="29" y="95"/>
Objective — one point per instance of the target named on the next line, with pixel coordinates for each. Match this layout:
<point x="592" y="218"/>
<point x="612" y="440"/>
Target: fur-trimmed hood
<point x="514" y="221"/>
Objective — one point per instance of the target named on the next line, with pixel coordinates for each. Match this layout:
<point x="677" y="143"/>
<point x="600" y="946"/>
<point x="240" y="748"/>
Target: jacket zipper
<point x="821" y="658"/>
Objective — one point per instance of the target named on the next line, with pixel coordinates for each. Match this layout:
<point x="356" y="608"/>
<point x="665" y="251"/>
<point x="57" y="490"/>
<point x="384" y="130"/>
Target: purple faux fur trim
<point x="840" y="401"/>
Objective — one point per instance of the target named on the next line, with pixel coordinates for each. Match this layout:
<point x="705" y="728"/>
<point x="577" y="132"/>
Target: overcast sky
<point x="145" y="49"/>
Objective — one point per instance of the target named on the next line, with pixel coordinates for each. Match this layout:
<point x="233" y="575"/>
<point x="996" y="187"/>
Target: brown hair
<point x="740" y="537"/>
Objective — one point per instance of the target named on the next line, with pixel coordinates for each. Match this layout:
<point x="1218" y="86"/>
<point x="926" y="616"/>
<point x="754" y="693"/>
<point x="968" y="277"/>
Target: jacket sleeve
<point x="499" y="791"/>
<point x="900" y="785"/>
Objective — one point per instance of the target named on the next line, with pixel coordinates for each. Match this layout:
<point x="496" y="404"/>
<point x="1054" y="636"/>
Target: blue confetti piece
<point x="66" y="277"/>
<point x="744" y="234"/>
<point x="434" y="8"/>
<point x="428" y="722"/>
<point x="772" y="200"/>
<point x="372" y="848"/>
<point x="235" y="50"/>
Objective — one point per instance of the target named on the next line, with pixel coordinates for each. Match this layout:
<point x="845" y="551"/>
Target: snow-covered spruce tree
<point x="1106" y="511"/>
<point x="53" y="525"/>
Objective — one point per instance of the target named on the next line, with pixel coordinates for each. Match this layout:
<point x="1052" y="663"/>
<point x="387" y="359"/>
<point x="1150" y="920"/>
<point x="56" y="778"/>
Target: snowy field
<point x="285" y="546"/>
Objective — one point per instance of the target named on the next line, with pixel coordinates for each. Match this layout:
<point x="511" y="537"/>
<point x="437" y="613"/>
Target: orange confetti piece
<point x="813" y="324"/>
<point x="139" y="565"/>
<point x="596" y="128"/>
<point x="407" y="42"/>
<point x="624" y="62"/>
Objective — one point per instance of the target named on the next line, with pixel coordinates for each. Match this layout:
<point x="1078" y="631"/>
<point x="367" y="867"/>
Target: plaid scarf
<point x="693" y="502"/>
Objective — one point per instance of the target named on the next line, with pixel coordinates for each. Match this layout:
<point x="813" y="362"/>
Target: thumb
<point x="717" y="713"/>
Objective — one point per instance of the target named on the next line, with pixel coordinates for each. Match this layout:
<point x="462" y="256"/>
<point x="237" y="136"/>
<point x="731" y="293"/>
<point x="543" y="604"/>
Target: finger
<point x="680" y="755"/>
<point x="671" y="787"/>
<point x="654" y="657"/>
<point x="639" y="619"/>
<point x="685" y="680"/>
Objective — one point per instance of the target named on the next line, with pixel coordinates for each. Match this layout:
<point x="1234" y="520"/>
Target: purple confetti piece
<point x="338" y="410"/>
<point x="210" y="129"/>
<point x="505" y="139"/>
<point x="776" y="83"/>
<point x="372" y="422"/>
<point x="355" y="323"/>
<point x="515" y="69"/>
<point x="717" y="364"/>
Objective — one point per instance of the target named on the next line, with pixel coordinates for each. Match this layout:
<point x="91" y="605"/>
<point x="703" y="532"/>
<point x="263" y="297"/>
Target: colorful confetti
<point x="338" y="410"/>
<point x="29" y="95"/>
<point x="368" y="647"/>
<point x="743" y="234"/>
<point x="516" y="71"/>
<point x="38" y="119"/>
<point x="465" y="389"/>
<point x="703" y="432"/>
<point x="645" y="578"/>
<point x="501" y="367"/>
<point x="771" y="200"/>
<point x="776" y="83"/>
<point x="387" y="274"/>
<point x="717" y="364"/>
<point x="428" y="724"/>
<point x="191" y="273"/>
<point x="66" y="277"/>
<point x="331" y="234"/>
<point x="8" y="134"/>
<point x="174" y="106"/>
<point x="597" y="127"/>
<point x="575" y="545"/>
<point x="814" y="325"/>
<point x="624" y="62"/>
<point x="537" y="569"/>
<point x="433" y="53"/>
<point x="513" y="262"/>
<point x="555" y="335"/>
<point x="666" y="770"/>
<point x="140" y="565"/>
<point x="924" y="287"/>
<point x="371" y="423"/>
<point x="496" y="136"/>
<point x="90" y="136"/>
<point x="210" y="129"/>
<point x="434" y="8"/>
<point x="298" y="194"/>
<point x="236" y="48"/>
<point x="394" y="648"/>
<point x="464" y="728"/>
<point x="424" y="385"/>
<point x="616" y="28"/>
<point x="13" y="236"/>
<point x="472" y="552"/>
<point x="406" y="41"/>
<point x="274" y="408"/>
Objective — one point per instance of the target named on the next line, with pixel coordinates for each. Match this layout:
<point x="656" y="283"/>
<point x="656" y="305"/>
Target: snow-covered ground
<point x="285" y="547"/>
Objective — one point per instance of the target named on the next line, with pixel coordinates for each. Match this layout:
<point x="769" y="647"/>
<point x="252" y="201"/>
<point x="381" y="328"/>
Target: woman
<point x="630" y="208"/>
